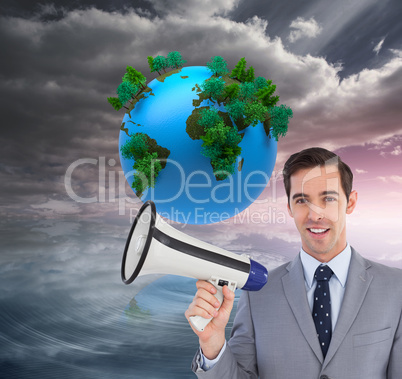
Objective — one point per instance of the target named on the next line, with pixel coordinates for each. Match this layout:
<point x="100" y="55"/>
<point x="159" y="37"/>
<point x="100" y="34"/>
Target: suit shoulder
<point x="274" y="283"/>
<point x="278" y="272"/>
<point x="383" y="271"/>
<point x="376" y="268"/>
<point x="281" y="268"/>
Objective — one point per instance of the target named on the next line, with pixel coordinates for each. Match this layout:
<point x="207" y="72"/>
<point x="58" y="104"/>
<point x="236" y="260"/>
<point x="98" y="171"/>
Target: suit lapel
<point x="358" y="282"/>
<point x="295" y="292"/>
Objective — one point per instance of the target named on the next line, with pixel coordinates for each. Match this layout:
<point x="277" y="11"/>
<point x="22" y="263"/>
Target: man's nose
<point x="315" y="213"/>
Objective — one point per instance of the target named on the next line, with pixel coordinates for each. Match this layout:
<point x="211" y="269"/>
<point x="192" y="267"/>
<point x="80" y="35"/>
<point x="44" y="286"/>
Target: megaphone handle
<point x="199" y="322"/>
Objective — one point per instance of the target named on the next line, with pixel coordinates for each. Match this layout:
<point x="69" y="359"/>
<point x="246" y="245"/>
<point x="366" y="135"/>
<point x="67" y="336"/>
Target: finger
<point x="228" y="300"/>
<point x="205" y="285"/>
<point x="200" y="307"/>
<point x="228" y="293"/>
<point x="208" y="297"/>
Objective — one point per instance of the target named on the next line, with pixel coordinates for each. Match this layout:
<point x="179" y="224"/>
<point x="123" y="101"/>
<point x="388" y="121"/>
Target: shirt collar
<point x="339" y="265"/>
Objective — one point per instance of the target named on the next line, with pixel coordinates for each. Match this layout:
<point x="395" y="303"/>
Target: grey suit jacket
<point x="274" y="336"/>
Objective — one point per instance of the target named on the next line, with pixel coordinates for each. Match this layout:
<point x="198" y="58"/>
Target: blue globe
<point x="186" y="190"/>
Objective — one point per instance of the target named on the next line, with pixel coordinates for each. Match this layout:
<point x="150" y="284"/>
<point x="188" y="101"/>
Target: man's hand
<point x="204" y="304"/>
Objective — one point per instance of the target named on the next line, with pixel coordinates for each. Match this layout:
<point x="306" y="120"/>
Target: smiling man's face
<point x="319" y="207"/>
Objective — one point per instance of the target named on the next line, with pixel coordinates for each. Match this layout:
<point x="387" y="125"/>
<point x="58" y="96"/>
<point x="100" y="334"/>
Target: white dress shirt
<point x="340" y="267"/>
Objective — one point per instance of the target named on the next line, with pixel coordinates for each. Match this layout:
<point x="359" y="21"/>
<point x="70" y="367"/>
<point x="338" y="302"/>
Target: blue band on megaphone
<point x="257" y="277"/>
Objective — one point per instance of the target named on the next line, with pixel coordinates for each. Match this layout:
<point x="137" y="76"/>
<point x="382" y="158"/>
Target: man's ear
<point x="352" y="202"/>
<point x="289" y="210"/>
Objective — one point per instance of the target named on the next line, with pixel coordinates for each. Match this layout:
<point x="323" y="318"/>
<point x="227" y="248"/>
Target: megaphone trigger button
<point x="223" y="283"/>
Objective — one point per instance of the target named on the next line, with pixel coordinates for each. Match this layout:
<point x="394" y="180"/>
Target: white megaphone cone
<point x="154" y="247"/>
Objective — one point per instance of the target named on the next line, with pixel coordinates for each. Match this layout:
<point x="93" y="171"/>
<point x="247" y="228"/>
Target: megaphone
<point x="154" y="247"/>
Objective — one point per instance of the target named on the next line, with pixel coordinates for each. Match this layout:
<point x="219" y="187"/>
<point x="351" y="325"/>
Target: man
<point x="329" y="313"/>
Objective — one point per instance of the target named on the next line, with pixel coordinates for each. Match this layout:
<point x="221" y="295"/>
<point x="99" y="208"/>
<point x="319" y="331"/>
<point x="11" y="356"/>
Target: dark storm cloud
<point x="55" y="9"/>
<point x="350" y="29"/>
<point x="58" y="73"/>
<point x="55" y="100"/>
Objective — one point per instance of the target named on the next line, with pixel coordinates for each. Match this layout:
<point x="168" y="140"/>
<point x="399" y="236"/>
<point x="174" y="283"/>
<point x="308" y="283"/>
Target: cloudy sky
<point x="338" y="65"/>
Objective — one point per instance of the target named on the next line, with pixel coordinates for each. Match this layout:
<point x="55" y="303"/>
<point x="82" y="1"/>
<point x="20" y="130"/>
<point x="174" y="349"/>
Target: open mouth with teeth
<point x="318" y="232"/>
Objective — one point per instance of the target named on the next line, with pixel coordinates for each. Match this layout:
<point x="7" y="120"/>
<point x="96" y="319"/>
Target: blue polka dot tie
<point x="322" y="307"/>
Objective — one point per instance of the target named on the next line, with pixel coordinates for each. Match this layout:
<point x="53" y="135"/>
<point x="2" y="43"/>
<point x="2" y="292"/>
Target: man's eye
<point x="301" y="201"/>
<point x="330" y="199"/>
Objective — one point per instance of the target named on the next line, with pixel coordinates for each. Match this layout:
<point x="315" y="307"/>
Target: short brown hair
<point x="312" y="157"/>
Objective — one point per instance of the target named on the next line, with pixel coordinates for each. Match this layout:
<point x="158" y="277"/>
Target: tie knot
<point x="323" y="273"/>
